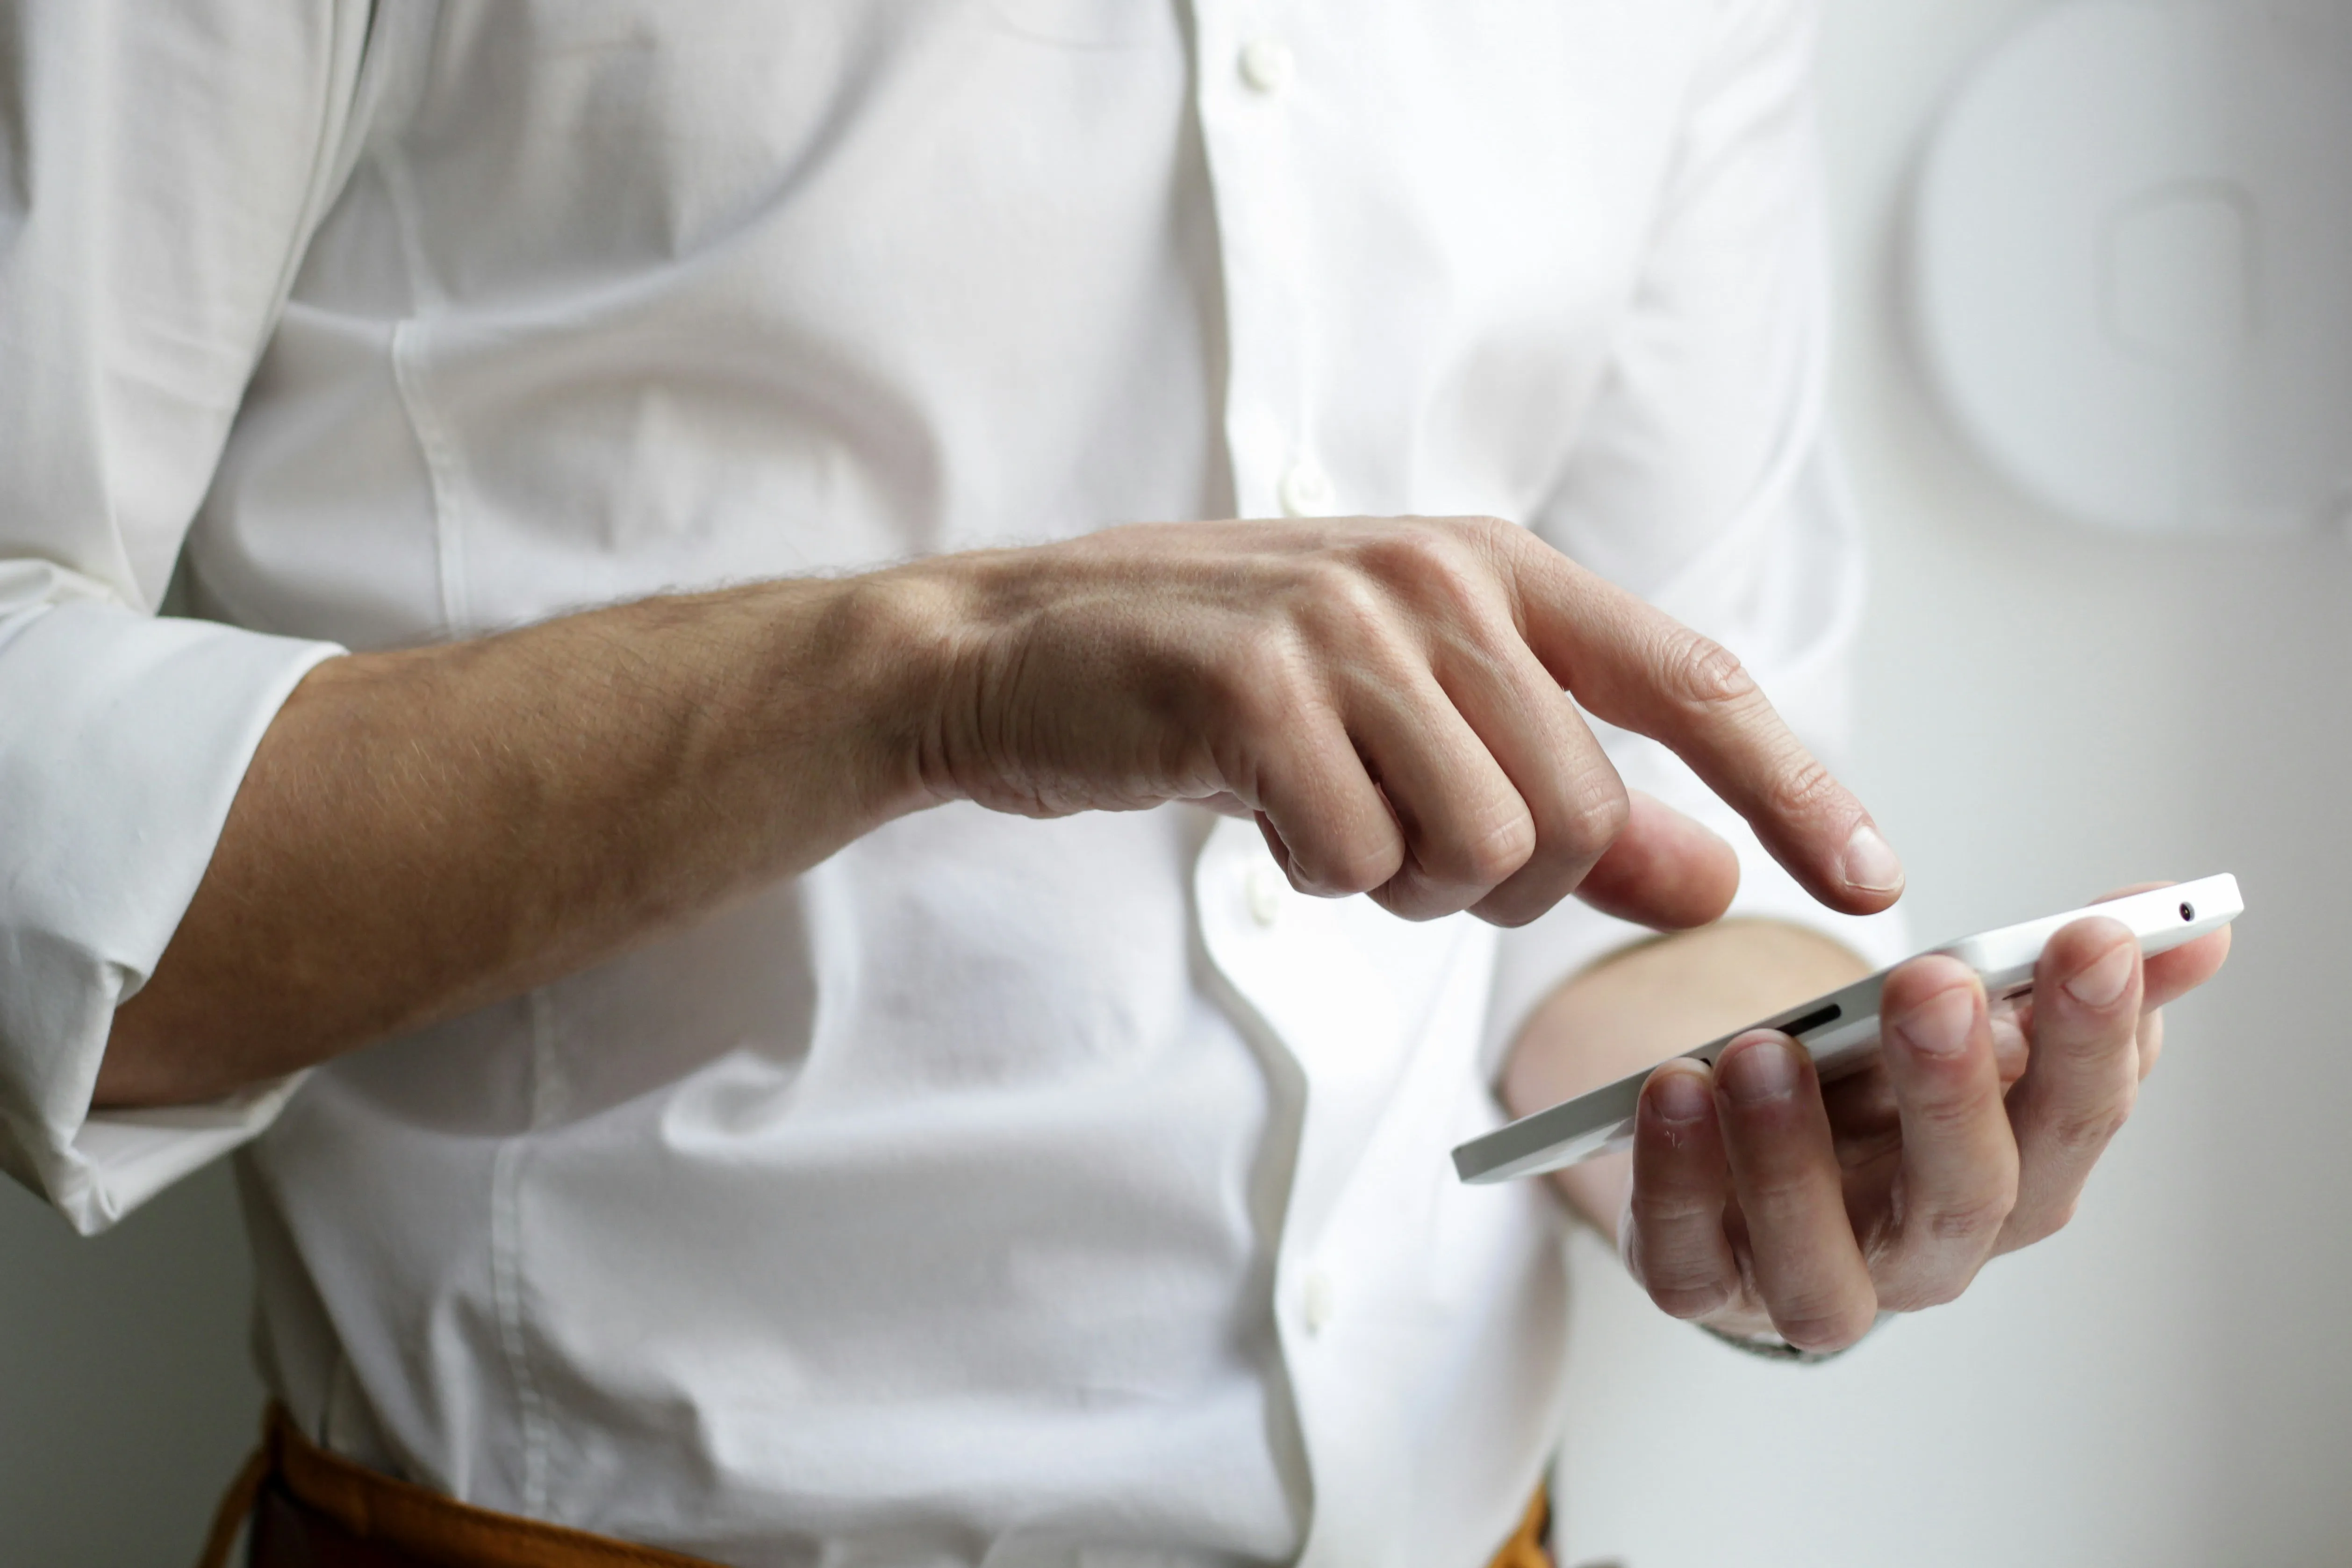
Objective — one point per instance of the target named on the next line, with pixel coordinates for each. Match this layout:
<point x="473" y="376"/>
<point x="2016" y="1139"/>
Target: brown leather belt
<point x="313" y="1508"/>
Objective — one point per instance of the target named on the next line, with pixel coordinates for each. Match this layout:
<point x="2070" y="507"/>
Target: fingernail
<point x="1939" y="1026"/>
<point x="1678" y="1095"/>
<point x="1870" y="863"/>
<point x="1758" y="1071"/>
<point x="2101" y="984"/>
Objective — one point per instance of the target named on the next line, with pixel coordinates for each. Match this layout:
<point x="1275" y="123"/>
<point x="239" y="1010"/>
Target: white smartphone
<point x="1840" y="1030"/>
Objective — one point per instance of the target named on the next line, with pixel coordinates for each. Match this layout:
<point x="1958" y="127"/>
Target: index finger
<point x="1639" y="668"/>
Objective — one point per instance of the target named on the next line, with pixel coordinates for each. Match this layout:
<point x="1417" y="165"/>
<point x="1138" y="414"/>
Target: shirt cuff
<point x="123" y="739"/>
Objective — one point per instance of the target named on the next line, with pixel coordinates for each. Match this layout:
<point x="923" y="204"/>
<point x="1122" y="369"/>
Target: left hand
<point x="1762" y="1201"/>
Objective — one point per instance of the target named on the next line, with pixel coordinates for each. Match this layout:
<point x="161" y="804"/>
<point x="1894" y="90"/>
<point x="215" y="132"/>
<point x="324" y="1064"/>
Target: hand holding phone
<point x="1840" y="1030"/>
<point x="1756" y="1199"/>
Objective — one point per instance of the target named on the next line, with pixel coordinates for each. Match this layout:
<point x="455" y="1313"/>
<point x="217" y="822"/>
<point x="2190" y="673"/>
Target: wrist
<point x="995" y="715"/>
<point x="910" y="646"/>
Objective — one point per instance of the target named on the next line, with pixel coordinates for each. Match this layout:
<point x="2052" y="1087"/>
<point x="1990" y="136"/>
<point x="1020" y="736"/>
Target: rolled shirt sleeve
<point x="161" y="169"/>
<point x="1704" y="479"/>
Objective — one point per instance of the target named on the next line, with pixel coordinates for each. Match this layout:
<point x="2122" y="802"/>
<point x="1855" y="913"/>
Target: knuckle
<point x="1514" y="907"/>
<point x="1971" y="1220"/>
<point x="1702" y="672"/>
<point x="1803" y="786"/>
<point x="1653" y="1210"/>
<point x="1594" y="822"/>
<point x="1952" y="1115"/>
<point x="1344" y="878"/>
<point x="1779" y="1193"/>
<point x="1690" y="1301"/>
<point x="2085" y="1131"/>
<point x="1337" y="876"/>
<point x="1823" y="1325"/>
<point x="1489" y="532"/>
<point x="1400" y="552"/>
<point x="1491" y="856"/>
<point x="1357" y="864"/>
<point x="1499" y="546"/>
<point x="1937" y="1289"/>
<point x="1410" y="896"/>
<point x="1341" y="603"/>
<point x="1435" y="568"/>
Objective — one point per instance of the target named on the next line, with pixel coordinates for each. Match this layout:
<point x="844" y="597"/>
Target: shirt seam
<point x="443" y="468"/>
<point x="545" y="1096"/>
<point x="441" y="474"/>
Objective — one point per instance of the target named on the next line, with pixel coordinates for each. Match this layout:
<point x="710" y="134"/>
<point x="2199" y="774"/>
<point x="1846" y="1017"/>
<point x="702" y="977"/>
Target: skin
<point x="1395" y="701"/>
<point x="423" y="832"/>
<point x="1756" y="1201"/>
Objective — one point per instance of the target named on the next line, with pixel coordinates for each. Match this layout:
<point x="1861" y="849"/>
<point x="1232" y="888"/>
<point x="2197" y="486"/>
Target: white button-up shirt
<point x="1000" y="1191"/>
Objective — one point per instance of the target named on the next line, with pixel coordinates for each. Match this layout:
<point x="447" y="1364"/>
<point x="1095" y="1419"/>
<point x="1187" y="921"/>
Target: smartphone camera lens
<point x="2188" y="911"/>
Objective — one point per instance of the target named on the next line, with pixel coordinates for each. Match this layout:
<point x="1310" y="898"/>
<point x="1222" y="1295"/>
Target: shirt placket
<point x="1253" y="80"/>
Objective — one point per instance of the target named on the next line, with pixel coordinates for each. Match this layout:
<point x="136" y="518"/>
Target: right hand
<point x="1386" y="697"/>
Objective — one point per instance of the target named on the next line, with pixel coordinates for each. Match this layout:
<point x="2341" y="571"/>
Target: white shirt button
<point x="1263" y="891"/>
<point x="1306" y="491"/>
<point x="1267" y="64"/>
<point x="1319" y="1301"/>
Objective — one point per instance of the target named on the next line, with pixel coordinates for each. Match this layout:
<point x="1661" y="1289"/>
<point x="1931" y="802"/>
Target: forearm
<point x="423" y="832"/>
<point x="1649" y="1002"/>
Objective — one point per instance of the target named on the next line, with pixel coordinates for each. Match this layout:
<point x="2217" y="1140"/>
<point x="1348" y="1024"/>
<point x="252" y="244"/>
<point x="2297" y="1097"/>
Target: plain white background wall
<point x="2045" y="713"/>
<point x="127" y="1399"/>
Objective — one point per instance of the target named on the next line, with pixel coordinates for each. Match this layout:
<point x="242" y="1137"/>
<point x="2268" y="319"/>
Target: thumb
<point x="1665" y="871"/>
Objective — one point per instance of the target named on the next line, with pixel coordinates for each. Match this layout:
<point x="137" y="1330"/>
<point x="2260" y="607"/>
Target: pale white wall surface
<point x="2046" y="712"/>
<point x="127" y="1396"/>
